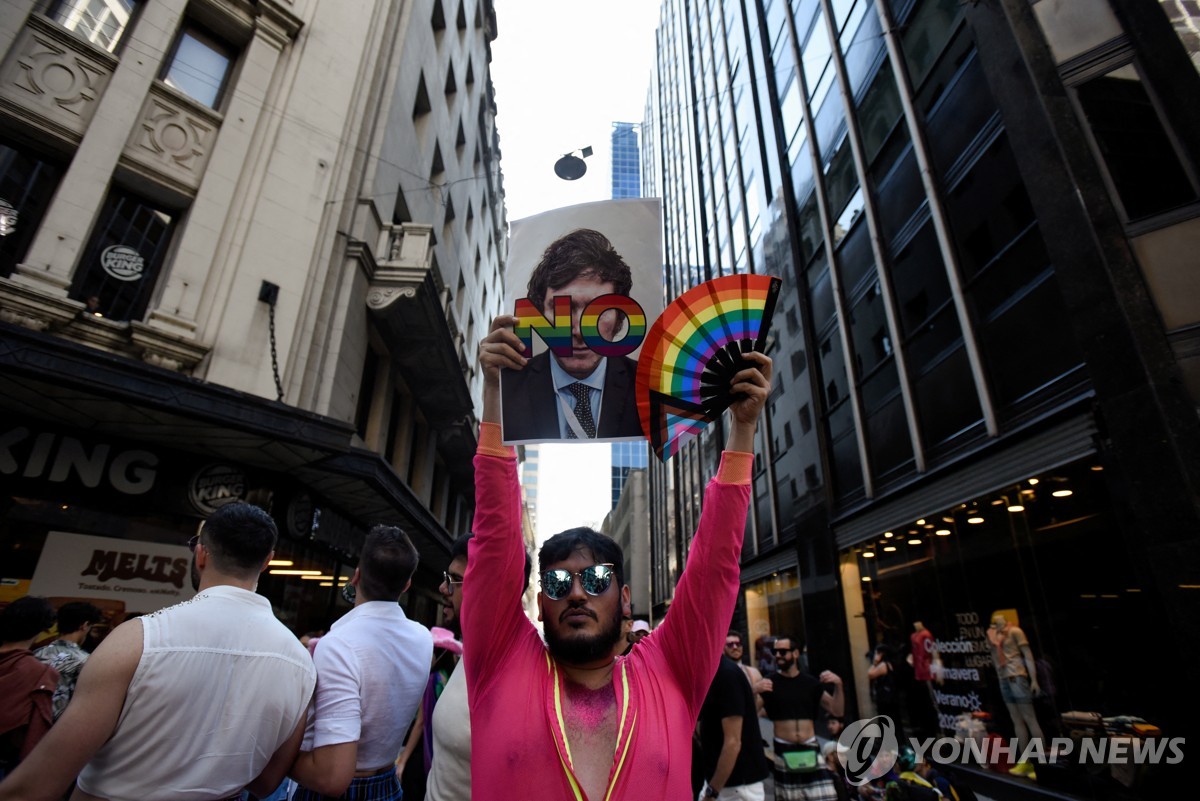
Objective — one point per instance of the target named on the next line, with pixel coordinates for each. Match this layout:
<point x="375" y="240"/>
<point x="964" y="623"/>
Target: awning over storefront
<point x="1055" y="445"/>
<point x="46" y="378"/>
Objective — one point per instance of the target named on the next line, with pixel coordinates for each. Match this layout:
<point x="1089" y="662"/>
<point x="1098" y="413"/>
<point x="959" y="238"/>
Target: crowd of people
<point x="215" y="698"/>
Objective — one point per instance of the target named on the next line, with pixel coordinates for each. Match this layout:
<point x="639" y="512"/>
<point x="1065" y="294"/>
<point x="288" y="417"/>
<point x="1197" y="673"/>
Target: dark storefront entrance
<point x="104" y="461"/>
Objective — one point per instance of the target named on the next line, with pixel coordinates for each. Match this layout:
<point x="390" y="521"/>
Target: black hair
<point x="735" y="633"/>
<point x="23" y="618"/>
<point x="72" y="616"/>
<point x="459" y="548"/>
<point x="581" y="252"/>
<point x="605" y="549"/>
<point x="239" y="536"/>
<point x="797" y="645"/>
<point x="387" y="563"/>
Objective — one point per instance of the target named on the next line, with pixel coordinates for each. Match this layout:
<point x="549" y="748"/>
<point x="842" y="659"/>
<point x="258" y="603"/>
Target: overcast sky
<point x="564" y="72"/>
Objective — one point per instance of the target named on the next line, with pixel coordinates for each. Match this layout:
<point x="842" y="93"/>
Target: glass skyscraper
<point x="626" y="161"/>
<point x="981" y="218"/>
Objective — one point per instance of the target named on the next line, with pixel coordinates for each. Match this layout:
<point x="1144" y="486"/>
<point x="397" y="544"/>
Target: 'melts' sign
<point x="145" y="576"/>
<point x="61" y="459"/>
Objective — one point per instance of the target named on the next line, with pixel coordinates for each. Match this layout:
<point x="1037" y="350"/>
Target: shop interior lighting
<point x="325" y="578"/>
<point x="866" y="578"/>
<point x="280" y="563"/>
<point x="1062" y="493"/>
<point x="868" y="554"/>
<point x="915" y="541"/>
<point x="921" y="522"/>
<point x="294" y="572"/>
<point x="1033" y="482"/>
<point x="888" y="534"/>
<point x="1016" y="507"/>
<point x="1096" y="468"/>
<point x="976" y="520"/>
<point x="889" y="549"/>
<point x="325" y="584"/>
<point x="943" y="532"/>
<point x="1133" y="589"/>
<point x="947" y="519"/>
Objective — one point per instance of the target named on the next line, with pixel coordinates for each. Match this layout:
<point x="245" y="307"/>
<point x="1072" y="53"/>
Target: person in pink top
<point x="565" y="719"/>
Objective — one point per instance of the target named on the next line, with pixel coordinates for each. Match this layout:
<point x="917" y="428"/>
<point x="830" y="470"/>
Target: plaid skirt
<point x="381" y="787"/>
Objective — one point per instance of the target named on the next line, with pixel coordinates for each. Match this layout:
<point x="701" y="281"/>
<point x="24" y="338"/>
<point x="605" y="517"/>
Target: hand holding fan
<point x="694" y="349"/>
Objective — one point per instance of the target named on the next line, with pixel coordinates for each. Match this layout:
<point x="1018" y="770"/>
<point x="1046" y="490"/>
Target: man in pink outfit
<point x="565" y="718"/>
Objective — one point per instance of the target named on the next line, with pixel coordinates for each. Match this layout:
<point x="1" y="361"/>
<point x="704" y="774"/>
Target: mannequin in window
<point x="1013" y="659"/>
<point x="926" y="664"/>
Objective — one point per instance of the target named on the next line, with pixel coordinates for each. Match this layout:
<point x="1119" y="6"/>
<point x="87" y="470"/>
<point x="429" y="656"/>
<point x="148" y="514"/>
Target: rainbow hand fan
<point x="694" y="349"/>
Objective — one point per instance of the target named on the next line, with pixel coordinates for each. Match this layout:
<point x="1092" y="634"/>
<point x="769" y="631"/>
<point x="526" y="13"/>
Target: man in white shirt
<point x="198" y="700"/>
<point x="371" y="669"/>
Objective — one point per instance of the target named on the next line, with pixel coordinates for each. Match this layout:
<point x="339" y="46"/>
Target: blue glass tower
<point x="626" y="161"/>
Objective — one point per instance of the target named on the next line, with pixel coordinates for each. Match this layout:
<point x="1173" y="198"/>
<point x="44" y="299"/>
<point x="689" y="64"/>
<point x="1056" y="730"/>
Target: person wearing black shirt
<point x="730" y="743"/>
<point x="792" y="705"/>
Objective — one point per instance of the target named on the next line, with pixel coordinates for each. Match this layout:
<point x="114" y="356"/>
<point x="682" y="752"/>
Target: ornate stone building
<point x="254" y="243"/>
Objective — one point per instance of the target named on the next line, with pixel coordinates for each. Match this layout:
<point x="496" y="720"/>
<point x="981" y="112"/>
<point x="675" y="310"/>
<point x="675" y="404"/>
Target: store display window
<point x="773" y="609"/>
<point x="1016" y="614"/>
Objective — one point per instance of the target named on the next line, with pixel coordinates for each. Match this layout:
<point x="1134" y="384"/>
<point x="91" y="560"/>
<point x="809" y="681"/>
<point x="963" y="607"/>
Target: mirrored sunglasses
<point x="733" y="643"/>
<point x="556" y="584"/>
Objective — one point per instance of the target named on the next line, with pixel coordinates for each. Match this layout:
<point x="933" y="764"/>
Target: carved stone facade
<point x="53" y="79"/>
<point x="173" y="139"/>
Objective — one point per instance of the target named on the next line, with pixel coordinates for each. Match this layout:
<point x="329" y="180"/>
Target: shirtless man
<point x="564" y="718"/>
<point x="792" y="705"/>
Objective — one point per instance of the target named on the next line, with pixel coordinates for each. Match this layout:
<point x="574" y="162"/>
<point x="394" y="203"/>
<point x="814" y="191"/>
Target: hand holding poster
<point x="583" y="281"/>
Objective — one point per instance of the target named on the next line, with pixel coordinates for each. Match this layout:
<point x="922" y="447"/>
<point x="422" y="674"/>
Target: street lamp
<point x="571" y="167"/>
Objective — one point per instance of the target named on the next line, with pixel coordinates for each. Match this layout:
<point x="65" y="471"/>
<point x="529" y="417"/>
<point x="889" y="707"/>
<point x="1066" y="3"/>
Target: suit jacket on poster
<point x="530" y="406"/>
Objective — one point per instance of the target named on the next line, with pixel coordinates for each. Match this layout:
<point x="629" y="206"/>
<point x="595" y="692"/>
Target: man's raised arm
<point x="693" y="632"/>
<point x="494" y="581"/>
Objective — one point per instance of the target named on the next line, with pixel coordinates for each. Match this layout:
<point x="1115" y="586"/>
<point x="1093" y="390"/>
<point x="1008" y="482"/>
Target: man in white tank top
<point x="197" y="701"/>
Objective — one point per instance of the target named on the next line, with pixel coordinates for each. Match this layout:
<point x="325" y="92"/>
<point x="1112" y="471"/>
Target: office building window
<point x="101" y="22"/>
<point x="1133" y="144"/>
<point x="27" y="182"/>
<point x="121" y="262"/>
<point x="199" y="65"/>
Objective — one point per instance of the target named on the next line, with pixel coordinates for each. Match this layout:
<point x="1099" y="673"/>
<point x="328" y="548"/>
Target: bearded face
<point x="572" y="641"/>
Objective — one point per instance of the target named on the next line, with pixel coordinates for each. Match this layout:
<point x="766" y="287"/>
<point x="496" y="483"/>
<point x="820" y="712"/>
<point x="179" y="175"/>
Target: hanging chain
<point x="275" y="356"/>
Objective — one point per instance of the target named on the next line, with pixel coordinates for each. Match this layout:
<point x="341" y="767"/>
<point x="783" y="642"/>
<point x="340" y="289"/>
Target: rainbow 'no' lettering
<point x="556" y="333"/>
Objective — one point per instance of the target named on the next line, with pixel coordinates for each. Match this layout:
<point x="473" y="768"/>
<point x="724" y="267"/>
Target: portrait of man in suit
<point x="582" y="395"/>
